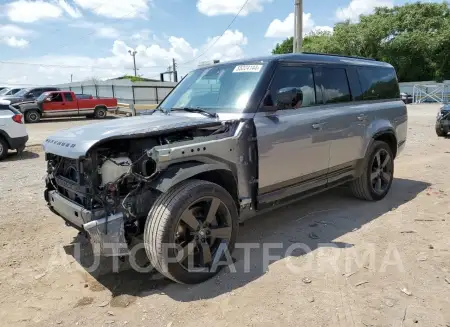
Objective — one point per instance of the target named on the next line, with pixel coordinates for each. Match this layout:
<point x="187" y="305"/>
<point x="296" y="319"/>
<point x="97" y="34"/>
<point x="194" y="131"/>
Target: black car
<point x="29" y="94"/>
<point x="406" y="98"/>
<point x="443" y="121"/>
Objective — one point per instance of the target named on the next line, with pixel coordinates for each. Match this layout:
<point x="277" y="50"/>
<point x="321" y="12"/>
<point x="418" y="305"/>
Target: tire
<point x="3" y="148"/>
<point x="165" y="224"/>
<point x="32" y="116"/>
<point x="442" y="131"/>
<point x="363" y="187"/>
<point x="100" y="113"/>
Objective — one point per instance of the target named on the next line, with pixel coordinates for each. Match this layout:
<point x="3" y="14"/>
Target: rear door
<point x="346" y="126"/>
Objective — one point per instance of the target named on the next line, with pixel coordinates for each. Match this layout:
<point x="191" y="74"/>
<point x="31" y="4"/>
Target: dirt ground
<point x="370" y="264"/>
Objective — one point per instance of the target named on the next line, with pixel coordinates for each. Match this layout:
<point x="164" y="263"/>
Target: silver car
<point x="230" y="141"/>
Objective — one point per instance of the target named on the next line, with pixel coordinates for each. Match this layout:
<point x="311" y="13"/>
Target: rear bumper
<point x="107" y="233"/>
<point x="17" y="142"/>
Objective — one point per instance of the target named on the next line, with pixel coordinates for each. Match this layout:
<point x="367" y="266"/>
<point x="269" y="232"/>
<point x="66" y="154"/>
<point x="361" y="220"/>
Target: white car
<point x="13" y="134"/>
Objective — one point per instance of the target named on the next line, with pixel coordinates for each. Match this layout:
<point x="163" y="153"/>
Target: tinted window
<point x="334" y="85"/>
<point x="37" y="92"/>
<point x="68" y="96"/>
<point x="298" y="77"/>
<point x="378" y="83"/>
<point x="4" y="107"/>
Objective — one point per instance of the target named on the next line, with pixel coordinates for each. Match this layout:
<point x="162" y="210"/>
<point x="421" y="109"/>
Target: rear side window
<point x="378" y="83"/>
<point x="334" y="85"/>
<point x="299" y="77"/>
<point x="4" y="107"/>
<point x="68" y="97"/>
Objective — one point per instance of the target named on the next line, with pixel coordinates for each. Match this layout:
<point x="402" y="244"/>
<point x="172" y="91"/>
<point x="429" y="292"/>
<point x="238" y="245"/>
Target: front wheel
<point x="190" y="229"/>
<point x="32" y="116"/>
<point x="376" y="179"/>
<point x="442" y="131"/>
<point x="3" y="148"/>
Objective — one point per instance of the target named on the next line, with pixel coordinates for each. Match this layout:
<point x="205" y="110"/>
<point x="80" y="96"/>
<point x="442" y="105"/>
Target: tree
<point x="414" y="38"/>
<point x="287" y="46"/>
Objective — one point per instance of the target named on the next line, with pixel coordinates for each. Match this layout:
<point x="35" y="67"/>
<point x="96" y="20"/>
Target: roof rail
<point x="337" y="55"/>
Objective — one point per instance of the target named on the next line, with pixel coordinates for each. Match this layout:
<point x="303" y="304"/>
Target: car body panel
<point x="76" y="142"/>
<point x="15" y="134"/>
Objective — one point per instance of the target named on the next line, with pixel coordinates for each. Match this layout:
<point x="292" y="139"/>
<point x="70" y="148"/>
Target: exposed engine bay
<point x="120" y="176"/>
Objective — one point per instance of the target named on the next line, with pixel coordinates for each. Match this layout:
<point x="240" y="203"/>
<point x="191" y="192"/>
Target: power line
<point x="226" y="29"/>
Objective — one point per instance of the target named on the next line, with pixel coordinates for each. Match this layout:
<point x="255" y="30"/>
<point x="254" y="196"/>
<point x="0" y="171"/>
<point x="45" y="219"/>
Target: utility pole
<point x="133" y="54"/>
<point x="298" y="25"/>
<point x="71" y="75"/>
<point x="174" y="71"/>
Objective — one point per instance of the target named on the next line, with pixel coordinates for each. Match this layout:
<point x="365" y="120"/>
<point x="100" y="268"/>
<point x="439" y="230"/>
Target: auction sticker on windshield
<point x="247" y="69"/>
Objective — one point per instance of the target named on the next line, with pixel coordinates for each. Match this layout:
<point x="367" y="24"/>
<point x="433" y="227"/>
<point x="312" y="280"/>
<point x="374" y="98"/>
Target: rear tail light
<point x="17" y="118"/>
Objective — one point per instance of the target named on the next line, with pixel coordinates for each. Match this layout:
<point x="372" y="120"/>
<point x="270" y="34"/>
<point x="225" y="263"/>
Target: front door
<point x="292" y="149"/>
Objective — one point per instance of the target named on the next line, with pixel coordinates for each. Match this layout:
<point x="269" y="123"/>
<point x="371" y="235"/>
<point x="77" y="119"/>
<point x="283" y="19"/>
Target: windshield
<point x="4" y="91"/>
<point x="218" y="88"/>
<point x="22" y="92"/>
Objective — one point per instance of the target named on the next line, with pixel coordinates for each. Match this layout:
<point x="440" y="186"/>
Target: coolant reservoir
<point x="112" y="169"/>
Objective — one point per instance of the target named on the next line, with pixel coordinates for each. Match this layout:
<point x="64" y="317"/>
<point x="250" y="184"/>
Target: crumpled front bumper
<point x="107" y="233"/>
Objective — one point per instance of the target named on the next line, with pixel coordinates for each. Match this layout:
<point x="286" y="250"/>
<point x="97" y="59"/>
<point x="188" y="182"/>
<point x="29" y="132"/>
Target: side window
<point x="334" y="85"/>
<point x="378" y="83"/>
<point x="294" y="77"/>
<point x="37" y="92"/>
<point x="56" y="97"/>
<point x="68" y="97"/>
<point x="4" y="107"/>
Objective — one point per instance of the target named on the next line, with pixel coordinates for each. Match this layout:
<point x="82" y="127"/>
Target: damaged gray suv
<point x="230" y="141"/>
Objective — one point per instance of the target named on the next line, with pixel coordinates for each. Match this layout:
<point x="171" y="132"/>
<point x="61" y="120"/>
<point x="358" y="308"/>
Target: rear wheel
<point x="376" y="180"/>
<point x="189" y="229"/>
<point x="3" y="148"/>
<point x="100" y="113"/>
<point x="32" y="116"/>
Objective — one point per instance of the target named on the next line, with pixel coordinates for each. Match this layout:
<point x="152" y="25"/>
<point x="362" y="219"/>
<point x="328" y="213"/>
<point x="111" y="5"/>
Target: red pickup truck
<point x="66" y="103"/>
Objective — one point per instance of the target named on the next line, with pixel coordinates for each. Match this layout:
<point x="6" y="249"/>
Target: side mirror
<point x="288" y="97"/>
<point x="48" y="99"/>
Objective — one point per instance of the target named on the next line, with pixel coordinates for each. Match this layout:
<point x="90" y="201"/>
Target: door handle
<point x="317" y="125"/>
<point x="361" y="117"/>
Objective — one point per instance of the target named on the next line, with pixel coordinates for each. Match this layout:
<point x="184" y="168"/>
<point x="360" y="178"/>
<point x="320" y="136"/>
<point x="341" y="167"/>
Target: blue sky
<point x="45" y="41"/>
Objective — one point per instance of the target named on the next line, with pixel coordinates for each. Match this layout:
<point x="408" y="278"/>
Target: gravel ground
<point x="371" y="264"/>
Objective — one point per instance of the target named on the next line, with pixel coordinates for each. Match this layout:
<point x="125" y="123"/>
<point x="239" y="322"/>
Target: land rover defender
<point x="230" y="141"/>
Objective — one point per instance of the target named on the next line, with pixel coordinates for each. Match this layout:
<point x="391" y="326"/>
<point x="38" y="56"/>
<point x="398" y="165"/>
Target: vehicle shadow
<point x="314" y="223"/>
<point x="74" y="118"/>
<point x="24" y="155"/>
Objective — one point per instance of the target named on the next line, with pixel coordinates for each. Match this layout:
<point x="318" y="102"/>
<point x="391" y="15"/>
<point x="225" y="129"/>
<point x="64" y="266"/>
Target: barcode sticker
<point x="247" y="69"/>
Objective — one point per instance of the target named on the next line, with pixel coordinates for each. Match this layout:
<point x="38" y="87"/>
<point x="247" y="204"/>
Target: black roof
<point x="313" y="57"/>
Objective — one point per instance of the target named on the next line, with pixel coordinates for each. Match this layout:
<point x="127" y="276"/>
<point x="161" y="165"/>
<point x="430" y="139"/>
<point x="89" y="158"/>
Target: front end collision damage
<point x="227" y="156"/>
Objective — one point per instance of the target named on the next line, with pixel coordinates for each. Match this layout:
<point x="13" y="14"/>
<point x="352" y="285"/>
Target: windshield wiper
<point x="199" y="110"/>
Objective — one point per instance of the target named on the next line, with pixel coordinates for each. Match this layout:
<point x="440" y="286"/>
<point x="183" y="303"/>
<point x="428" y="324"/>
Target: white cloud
<point x="142" y="35"/>
<point x="124" y="9"/>
<point x="14" y="42"/>
<point x="99" y="29"/>
<point x="285" y="28"/>
<point x="229" y="7"/>
<point x="11" y="35"/>
<point x="25" y="11"/>
<point x="13" y="30"/>
<point x="151" y="60"/>
<point x="360" y="7"/>
<point x="71" y="11"/>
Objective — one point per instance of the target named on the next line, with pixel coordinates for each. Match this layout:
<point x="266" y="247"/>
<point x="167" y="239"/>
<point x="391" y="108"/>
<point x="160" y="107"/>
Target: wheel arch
<point x="5" y="137"/>
<point x="217" y="173"/>
<point x="387" y="135"/>
<point x="101" y="106"/>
